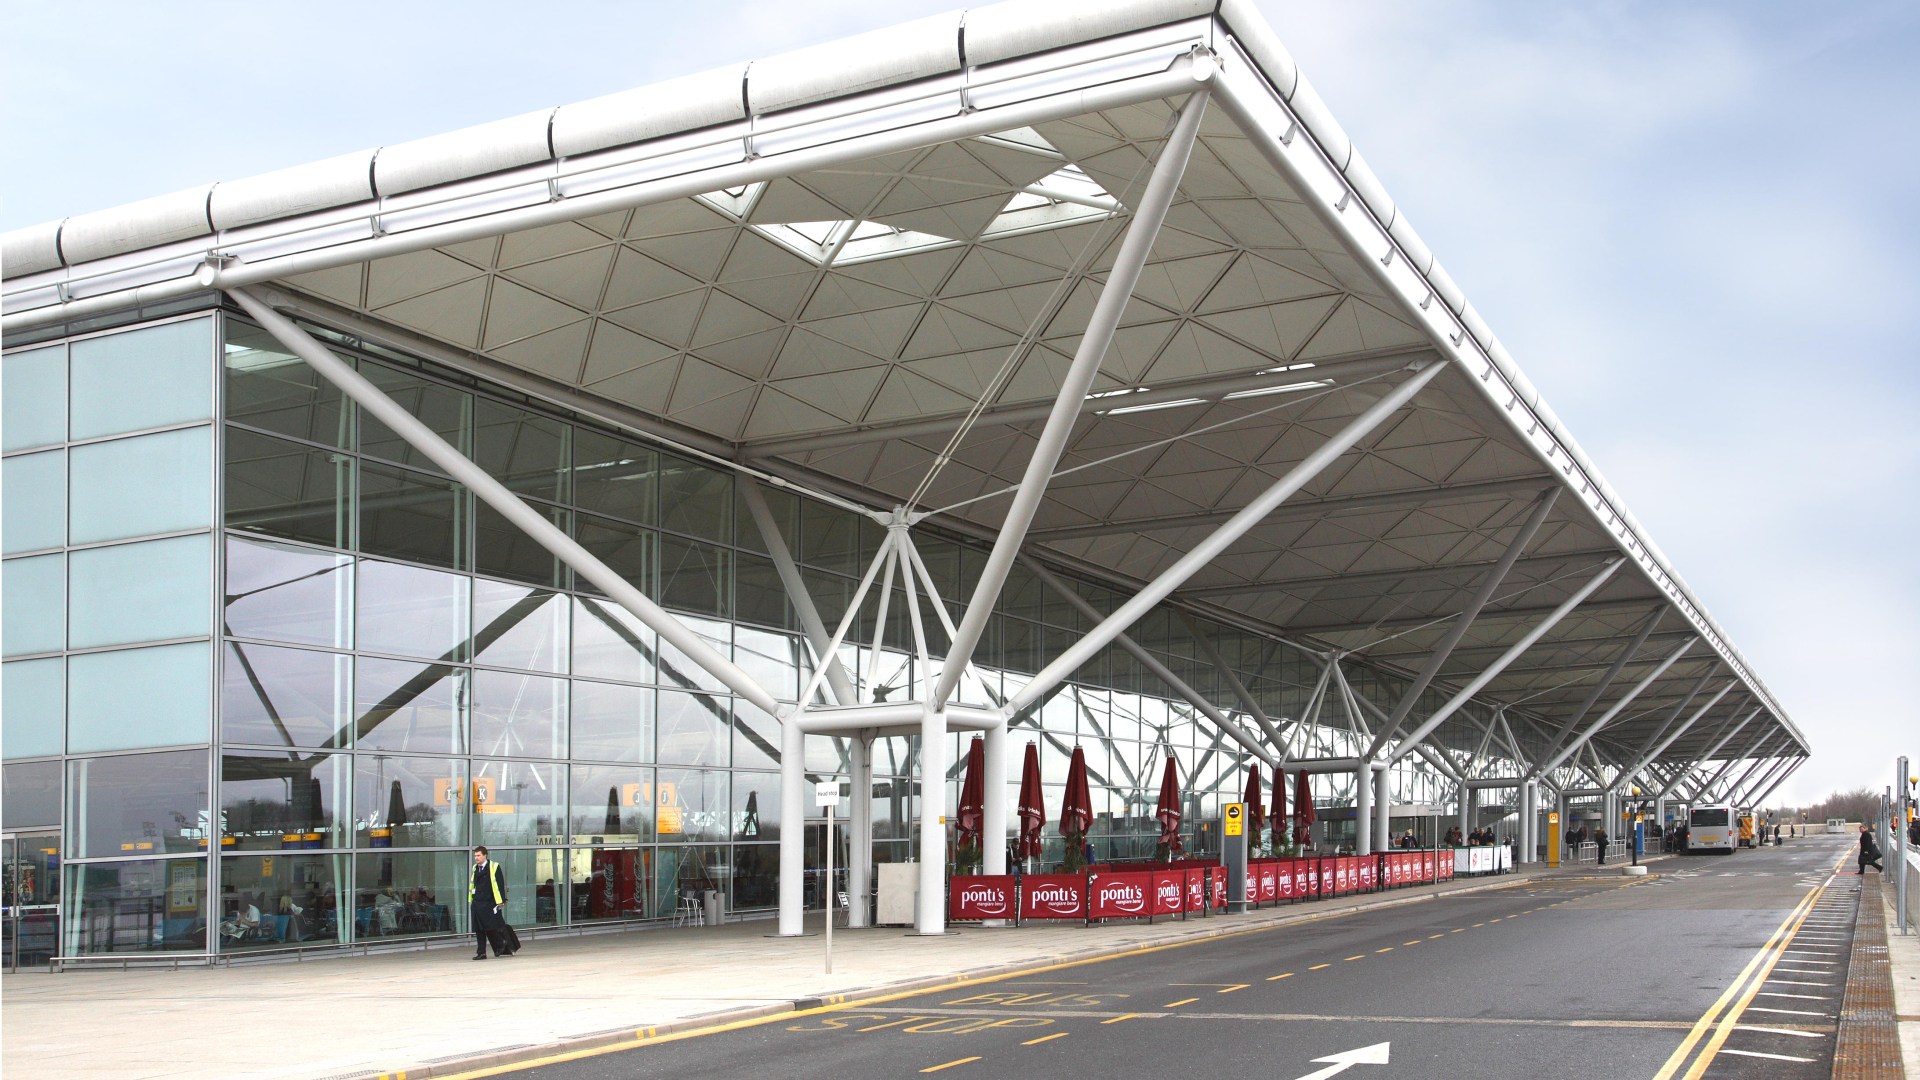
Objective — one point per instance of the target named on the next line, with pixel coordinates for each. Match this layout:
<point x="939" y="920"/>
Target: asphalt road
<point x="1728" y="966"/>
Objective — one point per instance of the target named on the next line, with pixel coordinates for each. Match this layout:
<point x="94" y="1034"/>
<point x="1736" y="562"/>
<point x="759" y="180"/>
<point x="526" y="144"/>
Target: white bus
<point x="1712" y="829"/>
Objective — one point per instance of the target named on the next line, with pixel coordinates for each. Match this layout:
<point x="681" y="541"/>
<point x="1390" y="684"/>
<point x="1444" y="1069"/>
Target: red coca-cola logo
<point x="1122" y="896"/>
<point x="986" y="898"/>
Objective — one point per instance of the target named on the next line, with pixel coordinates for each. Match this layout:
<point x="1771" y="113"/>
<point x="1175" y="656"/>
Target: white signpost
<point x="826" y="796"/>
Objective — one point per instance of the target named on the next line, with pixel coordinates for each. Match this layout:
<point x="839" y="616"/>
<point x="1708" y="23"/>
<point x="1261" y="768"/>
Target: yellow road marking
<point x="1177" y="1004"/>
<point x="1478" y="925"/>
<point x="1282" y="975"/>
<point x="1045" y="1038"/>
<point x="1415" y="941"/>
<point x="1122" y="1016"/>
<point x="1461" y="930"/>
<point x="1430" y="937"/>
<point x="890" y="1023"/>
<point x="1725" y="1027"/>
<point x="1231" y="989"/>
<point x="1362" y="956"/>
<point x="1317" y="967"/>
<point x="951" y="1064"/>
<point x="1387" y="949"/>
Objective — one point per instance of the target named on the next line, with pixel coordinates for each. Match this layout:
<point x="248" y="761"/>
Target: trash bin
<point x="710" y="900"/>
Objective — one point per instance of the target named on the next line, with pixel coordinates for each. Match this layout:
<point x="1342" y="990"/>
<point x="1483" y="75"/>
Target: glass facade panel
<point x="34" y="707"/>
<point x="33" y="604"/>
<point x="144" y="378"/>
<point x="503" y="549"/>
<point x="691" y="872"/>
<point x="533" y="879"/>
<point x="284" y="801"/>
<point x="137" y="804"/>
<point x="280" y="488"/>
<point x="692" y="728"/>
<point x="612" y="722"/>
<point x="696" y="500"/>
<point x="522" y="715"/>
<point x="409" y="802"/>
<point x="284" y="593"/>
<point x="614" y="477"/>
<point x="626" y="549"/>
<point x="138" y="906"/>
<point x="446" y="410"/>
<point x="134" y="698"/>
<point x="277" y="901"/>
<point x="33" y="398"/>
<point x="609" y="643"/>
<point x="149" y="591"/>
<point x="756" y="876"/>
<point x="409" y="893"/>
<point x="756" y="806"/>
<point x="756" y="737"/>
<point x="518" y="627"/>
<point x="411" y="611"/>
<point x="695" y="577"/>
<point x="611" y="804"/>
<point x="519" y="802"/>
<point x="691" y="806"/>
<point x="759" y="596"/>
<point x="408" y="707"/>
<point x="527" y="453"/>
<point x="270" y="388"/>
<point x="30" y="795"/>
<point x="412" y="515"/>
<point x="33" y="501"/>
<point x="285" y="697"/>
<point x="609" y="883"/>
<point x="148" y="484"/>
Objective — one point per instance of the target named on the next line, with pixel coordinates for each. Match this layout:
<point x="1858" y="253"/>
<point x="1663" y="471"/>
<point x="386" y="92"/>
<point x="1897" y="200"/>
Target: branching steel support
<point x="1600" y="687"/>
<point x="1239" y="688"/>
<point x="797" y="594"/>
<point x="1607" y="717"/>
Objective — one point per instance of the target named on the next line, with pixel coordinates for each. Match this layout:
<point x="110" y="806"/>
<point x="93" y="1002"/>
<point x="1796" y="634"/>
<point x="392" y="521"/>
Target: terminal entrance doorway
<point x="30" y="888"/>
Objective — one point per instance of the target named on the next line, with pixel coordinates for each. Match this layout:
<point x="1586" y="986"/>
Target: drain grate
<point x="1868" y="1046"/>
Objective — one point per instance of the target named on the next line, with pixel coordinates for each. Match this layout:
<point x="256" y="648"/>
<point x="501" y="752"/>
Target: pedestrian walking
<point x="486" y="896"/>
<point x="1600" y="842"/>
<point x="1869" y="851"/>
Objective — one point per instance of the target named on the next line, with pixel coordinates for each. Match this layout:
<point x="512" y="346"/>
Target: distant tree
<point x="1860" y="804"/>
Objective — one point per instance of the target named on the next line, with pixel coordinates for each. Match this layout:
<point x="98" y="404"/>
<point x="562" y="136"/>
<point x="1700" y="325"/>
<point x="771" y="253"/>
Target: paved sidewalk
<point x="433" y="1011"/>
<point x="1903" y="957"/>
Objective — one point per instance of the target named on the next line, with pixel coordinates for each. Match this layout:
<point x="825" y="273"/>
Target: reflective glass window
<point x="691" y="806"/>
<point x="446" y="410"/>
<point x="756" y="876"/>
<point x="677" y="670"/>
<point x="33" y="398"/>
<point x="137" y="906"/>
<point x="139" y="592"/>
<point x="756" y="737"/>
<point x="284" y="593"/>
<point x="830" y="539"/>
<point x="33" y="490"/>
<point x="411" y="611"/>
<point x="691" y="871"/>
<point x="759" y="595"/>
<point x="137" y="804"/>
<point x="412" y="515"/>
<point x="612" y="721"/>
<point x="611" y="804"/>
<point x="609" y="643"/>
<point x="30" y="795"/>
<point x="536" y="884"/>
<point x="143" y="378"/>
<point x="773" y="660"/>
<point x="518" y="627"/>
<point x="521" y="715"/>
<point x="33" y="604"/>
<point x="138" y="697"/>
<point x="696" y="499"/>
<point x="626" y="549"/>
<point x="503" y="549"/>
<point x="695" y="577"/>
<point x="269" y="901"/>
<point x="34" y="711"/>
<point x="611" y="883"/>
<point x="284" y="801"/>
<point x="756" y="806"/>
<point x="614" y="477"/>
<point x="279" y="488"/>
<point x="285" y="697"/>
<point x="693" y="728"/>
<point x="149" y="484"/>
<point x="782" y="506"/>
<point x="409" y="893"/>
<point x="527" y="453"/>
<point x="270" y="388"/>
<point x="403" y="706"/>
<point x="519" y="802"/>
<point x="409" y="802"/>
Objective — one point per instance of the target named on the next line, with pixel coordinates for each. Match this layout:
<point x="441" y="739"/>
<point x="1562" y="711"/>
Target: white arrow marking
<point x="1366" y="1055"/>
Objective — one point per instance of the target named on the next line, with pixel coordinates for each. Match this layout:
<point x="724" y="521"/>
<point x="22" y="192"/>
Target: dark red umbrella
<point x="1303" y="816"/>
<point x="1076" y="808"/>
<point x="1169" y="809"/>
<point x="1033" y="807"/>
<point x="1279" y="815"/>
<point x="1255" y="811"/>
<point x="973" y="793"/>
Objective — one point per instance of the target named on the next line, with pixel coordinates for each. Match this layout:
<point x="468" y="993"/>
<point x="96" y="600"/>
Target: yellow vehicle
<point x="1746" y="829"/>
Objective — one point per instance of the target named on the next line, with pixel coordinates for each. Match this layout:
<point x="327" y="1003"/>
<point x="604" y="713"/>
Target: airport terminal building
<point x="591" y="483"/>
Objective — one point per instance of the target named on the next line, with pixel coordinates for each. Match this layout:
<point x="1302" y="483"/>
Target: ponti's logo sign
<point x="989" y="899"/>
<point x="1121" y="896"/>
<point x="1060" y="898"/>
<point x="1170" y="895"/>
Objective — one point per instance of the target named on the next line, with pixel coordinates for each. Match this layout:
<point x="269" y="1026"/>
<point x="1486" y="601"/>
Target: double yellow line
<point x="1744" y="987"/>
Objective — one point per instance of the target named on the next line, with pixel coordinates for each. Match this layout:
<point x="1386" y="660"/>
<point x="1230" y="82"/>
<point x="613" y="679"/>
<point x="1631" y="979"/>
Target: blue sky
<point x="1693" y="225"/>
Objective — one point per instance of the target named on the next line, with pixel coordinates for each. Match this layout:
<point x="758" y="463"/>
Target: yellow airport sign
<point x="1236" y="819"/>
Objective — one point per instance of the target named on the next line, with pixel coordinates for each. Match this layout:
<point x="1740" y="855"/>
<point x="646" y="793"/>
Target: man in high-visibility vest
<point x="486" y="895"/>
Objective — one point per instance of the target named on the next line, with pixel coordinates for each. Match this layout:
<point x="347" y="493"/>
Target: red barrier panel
<point x="1396" y="869"/>
<point x="1196" y="888"/>
<point x="1053" y="896"/>
<point x="1447" y="867"/>
<point x="1283" y="879"/>
<point x="1169" y="892"/>
<point x="1269" y="873"/>
<point x="1302" y="875"/>
<point x="980" y="896"/>
<point x="1217" y="881"/>
<point x="1341" y="870"/>
<point x="1369" y="873"/>
<point x="1119" y="896"/>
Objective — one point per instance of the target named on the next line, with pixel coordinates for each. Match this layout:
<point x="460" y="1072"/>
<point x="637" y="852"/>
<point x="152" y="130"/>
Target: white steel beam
<point x="1613" y="672"/>
<point x="803" y="606"/>
<point x="1232" y="678"/>
<point x="1607" y="717"/>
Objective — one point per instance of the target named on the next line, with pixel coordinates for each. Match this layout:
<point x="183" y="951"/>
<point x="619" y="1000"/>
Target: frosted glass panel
<point x="35" y="494"/>
<point x="33" y="708"/>
<point x="33" y="604"/>
<point x="33" y="398"/>
<point x="133" y="487"/>
<point x="143" y="378"/>
<point x="138" y="697"/>
<point x="139" y="592"/>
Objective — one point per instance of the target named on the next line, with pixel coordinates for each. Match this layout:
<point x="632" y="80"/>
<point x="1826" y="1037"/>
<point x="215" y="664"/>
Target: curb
<point x="1274" y="917"/>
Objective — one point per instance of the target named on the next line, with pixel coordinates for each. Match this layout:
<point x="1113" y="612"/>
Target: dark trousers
<point x="1874" y="862"/>
<point x="486" y="928"/>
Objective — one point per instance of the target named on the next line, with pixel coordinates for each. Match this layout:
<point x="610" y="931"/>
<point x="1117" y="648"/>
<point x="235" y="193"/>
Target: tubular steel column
<point x="793" y="829"/>
<point x="860" y="829"/>
<point x="1362" y="811"/>
<point x="504" y="502"/>
<point x="1382" y="808"/>
<point x="790" y="579"/>
<point x="993" y="816"/>
<point x="1127" y="264"/>
<point x="930" y="909"/>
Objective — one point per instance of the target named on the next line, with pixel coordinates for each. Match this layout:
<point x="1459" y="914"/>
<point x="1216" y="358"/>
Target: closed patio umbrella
<point x="973" y="788"/>
<point x="1033" y="806"/>
<point x="1256" y="814"/>
<point x="1277" y="818"/>
<point x="1168" y="811"/>
<point x="1076" y="807"/>
<point x="1303" y="816"/>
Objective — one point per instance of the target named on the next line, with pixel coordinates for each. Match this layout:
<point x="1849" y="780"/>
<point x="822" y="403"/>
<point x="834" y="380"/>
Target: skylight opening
<point x="1151" y="406"/>
<point x="1284" y="388"/>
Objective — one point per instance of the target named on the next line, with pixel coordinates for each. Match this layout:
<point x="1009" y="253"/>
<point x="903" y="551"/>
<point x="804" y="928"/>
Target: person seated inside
<point x="245" y="921"/>
<point x="386" y="910"/>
